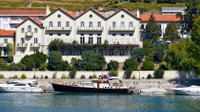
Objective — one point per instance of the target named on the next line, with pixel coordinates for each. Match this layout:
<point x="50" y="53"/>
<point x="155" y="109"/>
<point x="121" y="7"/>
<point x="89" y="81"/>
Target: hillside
<point x="77" y="5"/>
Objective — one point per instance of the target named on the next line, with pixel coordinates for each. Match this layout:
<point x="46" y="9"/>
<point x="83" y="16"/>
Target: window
<point x="67" y="34"/>
<point x="121" y="53"/>
<point x="98" y="40"/>
<point x="82" y="24"/>
<point x="122" y="34"/>
<point x="131" y="34"/>
<point x="59" y="34"/>
<point x="82" y="40"/>
<point x="67" y="24"/>
<point x="114" y="24"/>
<point x="90" y="16"/>
<point x="22" y="30"/>
<point x="35" y="40"/>
<point x="122" y="16"/>
<point x="22" y="51"/>
<point x="59" y="15"/>
<point x="131" y="25"/>
<point x="35" y="30"/>
<point x="90" y="24"/>
<point x="50" y="24"/>
<point x="29" y="28"/>
<point x="50" y="34"/>
<point x="5" y="40"/>
<point x="35" y="50"/>
<point x="59" y="23"/>
<point x="111" y="52"/>
<point x="90" y="41"/>
<point x="99" y="24"/>
<point x="22" y="40"/>
<point x="90" y="34"/>
<point x="142" y="26"/>
<point x="113" y="34"/>
<point x="122" y="24"/>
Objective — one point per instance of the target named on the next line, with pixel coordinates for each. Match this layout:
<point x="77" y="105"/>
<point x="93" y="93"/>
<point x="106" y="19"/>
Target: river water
<point x="59" y="102"/>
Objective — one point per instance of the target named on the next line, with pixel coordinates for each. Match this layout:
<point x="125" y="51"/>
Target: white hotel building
<point x="120" y="29"/>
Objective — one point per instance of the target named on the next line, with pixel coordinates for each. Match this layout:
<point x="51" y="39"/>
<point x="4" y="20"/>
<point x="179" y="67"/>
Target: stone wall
<point x="137" y="74"/>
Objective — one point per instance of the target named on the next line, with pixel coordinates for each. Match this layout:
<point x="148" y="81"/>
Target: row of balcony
<point x="26" y="45"/>
<point x="3" y="45"/>
<point x="112" y="29"/>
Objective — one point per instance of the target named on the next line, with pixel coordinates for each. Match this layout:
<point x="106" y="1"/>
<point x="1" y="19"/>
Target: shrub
<point x="134" y="77"/>
<point x="63" y="76"/>
<point x="14" y="77"/>
<point x="23" y="76"/>
<point x="113" y="73"/>
<point x="46" y="77"/>
<point x="1" y="76"/>
<point x="149" y="76"/>
<point x="34" y="76"/>
<point x="131" y="64"/>
<point x="163" y="66"/>
<point x="54" y="75"/>
<point x="148" y="65"/>
<point x="158" y="74"/>
<point x="41" y="77"/>
<point x="128" y="73"/>
<point x="82" y="76"/>
<point x="43" y="66"/>
<point x="113" y="65"/>
<point x="93" y="76"/>
<point x="72" y="73"/>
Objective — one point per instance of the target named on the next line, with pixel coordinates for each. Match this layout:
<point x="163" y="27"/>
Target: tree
<point x="159" y="52"/>
<point x="158" y="74"/>
<point x="152" y="31"/>
<point x="192" y="12"/>
<point x="89" y="61"/>
<point x="3" y="65"/>
<point x="56" y="62"/>
<point x="131" y="64"/>
<point x="28" y="62"/>
<point x="195" y="32"/>
<point x="113" y="65"/>
<point x="171" y="33"/>
<point x="10" y="52"/>
<point x="148" y="48"/>
<point x="138" y="53"/>
<point x="148" y="65"/>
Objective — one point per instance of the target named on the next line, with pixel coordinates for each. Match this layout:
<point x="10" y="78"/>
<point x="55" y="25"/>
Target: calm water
<point x="20" y="102"/>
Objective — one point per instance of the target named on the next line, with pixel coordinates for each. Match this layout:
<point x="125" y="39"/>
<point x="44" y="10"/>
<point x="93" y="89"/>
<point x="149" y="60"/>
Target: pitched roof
<point x="123" y="9"/>
<point x="38" y="22"/>
<point x="94" y="10"/>
<point x="7" y="33"/>
<point x="22" y="12"/>
<point x="159" y="18"/>
<point x="71" y="14"/>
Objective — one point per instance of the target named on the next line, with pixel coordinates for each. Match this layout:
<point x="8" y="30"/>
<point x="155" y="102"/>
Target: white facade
<point x="90" y="27"/>
<point x="4" y="40"/>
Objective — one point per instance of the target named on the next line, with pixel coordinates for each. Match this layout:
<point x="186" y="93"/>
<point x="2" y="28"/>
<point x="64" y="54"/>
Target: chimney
<point x="138" y="13"/>
<point x="48" y="11"/>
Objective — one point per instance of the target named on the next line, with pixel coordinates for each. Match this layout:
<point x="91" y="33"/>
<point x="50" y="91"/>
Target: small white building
<point x="6" y="36"/>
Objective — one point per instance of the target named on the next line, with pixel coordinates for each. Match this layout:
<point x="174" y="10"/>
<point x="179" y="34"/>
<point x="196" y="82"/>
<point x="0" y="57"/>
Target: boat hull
<point x="75" y="89"/>
<point x="187" y="92"/>
<point x="20" y="90"/>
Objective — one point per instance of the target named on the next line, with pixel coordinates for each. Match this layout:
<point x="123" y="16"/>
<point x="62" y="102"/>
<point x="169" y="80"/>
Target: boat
<point x="101" y="85"/>
<point x="152" y="91"/>
<point x="21" y="86"/>
<point x="192" y="90"/>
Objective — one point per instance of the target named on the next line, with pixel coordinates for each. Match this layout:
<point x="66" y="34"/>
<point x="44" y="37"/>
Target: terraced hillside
<point x="77" y="5"/>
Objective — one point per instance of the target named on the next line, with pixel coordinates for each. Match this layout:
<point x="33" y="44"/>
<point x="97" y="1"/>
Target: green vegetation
<point x="171" y="33"/>
<point x="45" y="77"/>
<point x="113" y="73"/>
<point x="158" y="74"/>
<point x="14" y="77"/>
<point x="72" y="73"/>
<point x="113" y="65"/>
<point x="3" y="65"/>
<point x="63" y="76"/>
<point x="23" y="76"/>
<point x="82" y="76"/>
<point x="93" y="76"/>
<point x="54" y="75"/>
<point x="1" y="76"/>
<point x="148" y="65"/>
<point x="149" y="76"/>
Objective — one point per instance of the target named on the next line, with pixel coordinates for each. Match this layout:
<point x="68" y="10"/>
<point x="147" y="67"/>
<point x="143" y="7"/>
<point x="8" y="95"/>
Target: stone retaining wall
<point x="137" y="74"/>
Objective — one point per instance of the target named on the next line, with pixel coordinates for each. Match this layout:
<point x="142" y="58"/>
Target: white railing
<point x="121" y="29"/>
<point x="58" y="28"/>
<point x="29" y="34"/>
<point x="90" y="28"/>
<point x="35" y="44"/>
<point x="3" y="45"/>
<point x="22" y="44"/>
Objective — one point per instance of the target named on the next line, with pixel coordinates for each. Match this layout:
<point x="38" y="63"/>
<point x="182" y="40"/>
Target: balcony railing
<point x="3" y="45"/>
<point x="90" y="28"/>
<point x="58" y="28"/>
<point x="35" y="44"/>
<point x="121" y="29"/>
<point x="22" y="44"/>
<point x="29" y="34"/>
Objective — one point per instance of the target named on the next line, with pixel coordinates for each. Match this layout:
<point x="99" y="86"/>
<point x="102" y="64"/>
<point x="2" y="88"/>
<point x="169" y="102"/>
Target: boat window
<point x="20" y="84"/>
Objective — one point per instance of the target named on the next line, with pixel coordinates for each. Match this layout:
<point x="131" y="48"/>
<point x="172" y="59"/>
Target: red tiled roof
<point x="159" y="18"/>
<point x="73" y="14"/>
<point x="8" y="33"/>
<point x="96" y="11"/>
<point x="38" y="22"/>
<point x="99" y="13"/>
<point x="23" y="12"/>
